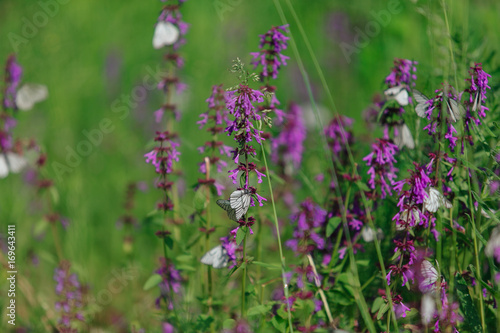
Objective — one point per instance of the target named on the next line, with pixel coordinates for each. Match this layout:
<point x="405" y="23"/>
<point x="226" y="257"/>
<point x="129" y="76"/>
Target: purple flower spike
<point x="288" y="146"/>
<point x="403" y="73"/>
<point x="381" y="162"/>
<point x="13" y="73"/>
<point x="272" y="43"/>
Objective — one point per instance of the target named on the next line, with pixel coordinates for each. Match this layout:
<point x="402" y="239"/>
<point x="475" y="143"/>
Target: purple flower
<point x="172" y="14"/>
<point x="13" y="73"/>
<point x="229" y="244"/>
<point x="216" y="115"/>
<point x="288" y="146"/>
<point x="477" y="91"/>
<point x="306" y="237"/>
<point x="170" y="284"/>
<point x="381" y="162"/>
<point x="69" y="292"/>
<point x="403" y="73"/>
<point x="240" y="106"/>
<point x="272" y="44"/>
<point x="162" y="157"/>
<point x="339" y="135"/>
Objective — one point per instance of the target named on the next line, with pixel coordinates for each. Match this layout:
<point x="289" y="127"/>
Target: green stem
<point x="359" y="296"/>
<point x="476" y="251"/>
<point x="278" y="234"/>
<point x="244" y="277"/>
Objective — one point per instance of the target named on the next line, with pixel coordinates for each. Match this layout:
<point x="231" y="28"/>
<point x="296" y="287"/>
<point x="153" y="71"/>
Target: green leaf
<point x="169" y="242"/>
<point x="266" y="265"/>
<point x="258" y="310"/>
<point x="200" y="200"/>
<point x="383" y="309"/>
<point x="362" y="186"/>
<point x="185" y="257"/>
<point x="229" y="324"/>
<point x="333" y="223"/>
<point x="40" y="227"/>
<point x="363" y="263"/>
<point x="279" y="323"/>
<point x="240" y="235"/>
<point x="377" y="304"/>
<point x="54" y="194"/>
<point x="203" y="323"/>
<point x="186" y="268"/>
<point x="153" y="281"/>
<point x="471" y="318"/>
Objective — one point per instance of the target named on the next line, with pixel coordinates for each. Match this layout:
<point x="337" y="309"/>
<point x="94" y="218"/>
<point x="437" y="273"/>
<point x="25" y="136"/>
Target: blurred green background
<point x="91" y="52"/>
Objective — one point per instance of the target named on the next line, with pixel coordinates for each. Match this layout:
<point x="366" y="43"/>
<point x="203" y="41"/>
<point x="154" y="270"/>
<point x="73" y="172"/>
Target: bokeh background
<point x="91" y="52"/>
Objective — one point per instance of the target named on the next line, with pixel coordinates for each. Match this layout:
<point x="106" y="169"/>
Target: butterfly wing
<point x="11" y="162"/>
<point x="427" y="309"/>
<point x="455" y="109"/>
<point x="29" y="94"/>
<point x="4" y="168"/>
<point x="404" y="137"/>
<point x="240" y="201"/>
<point x="226" y="205"/>
<point x="429" y="276"/>
<point x="422" y="104"/>
<point x="433" y="200"/>
<point x="165" y="34"/>
<point x="476" y="101"/>
<point x="399" y="93"/>
<point x="216" y="257"/>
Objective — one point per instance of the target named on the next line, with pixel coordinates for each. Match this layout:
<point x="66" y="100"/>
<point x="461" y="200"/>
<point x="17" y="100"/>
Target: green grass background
<point x="69" y="55"/>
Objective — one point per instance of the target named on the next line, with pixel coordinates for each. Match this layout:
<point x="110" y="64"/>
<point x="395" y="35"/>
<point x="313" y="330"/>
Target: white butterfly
<point x="237" y="205"/>
<point x="165" y="34"/>
<point x="216" y="257"/>
<point x="429" y="277"/>
<point x="369" y="235"/>
<point x="455" y="109"/>
<point x="493" y="242"/>
<point x="435" y="200"/>
<point x="404" y="137"/>
<point x="406" y="216"/>
<point x="399" y="93"/>
<point x="29" y="94"/>
<point x="427" y="308"/>
<point x="11" y="163"/>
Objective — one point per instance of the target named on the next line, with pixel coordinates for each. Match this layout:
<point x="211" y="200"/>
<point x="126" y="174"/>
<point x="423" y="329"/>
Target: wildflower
<point x="240" y="106"/>
<point x="381" y="162"/>
<point x="309" y="219"/>
<point x="403" y="73"/>
<point x="288" y="146"/>
<point x="229" y="244"/>
<point x="272" y="43"/>
<point x="448" y="99"/>
<point x="69" y="292"/>
<point x="339" y="135"/>
<point x="477" y="92"/>
<point x="170" y="284"/>
<point x="13" y="73"/>
<point x="170" y="29"/>
<point x="162" y="158"/>
<point x="217" y="114"/>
